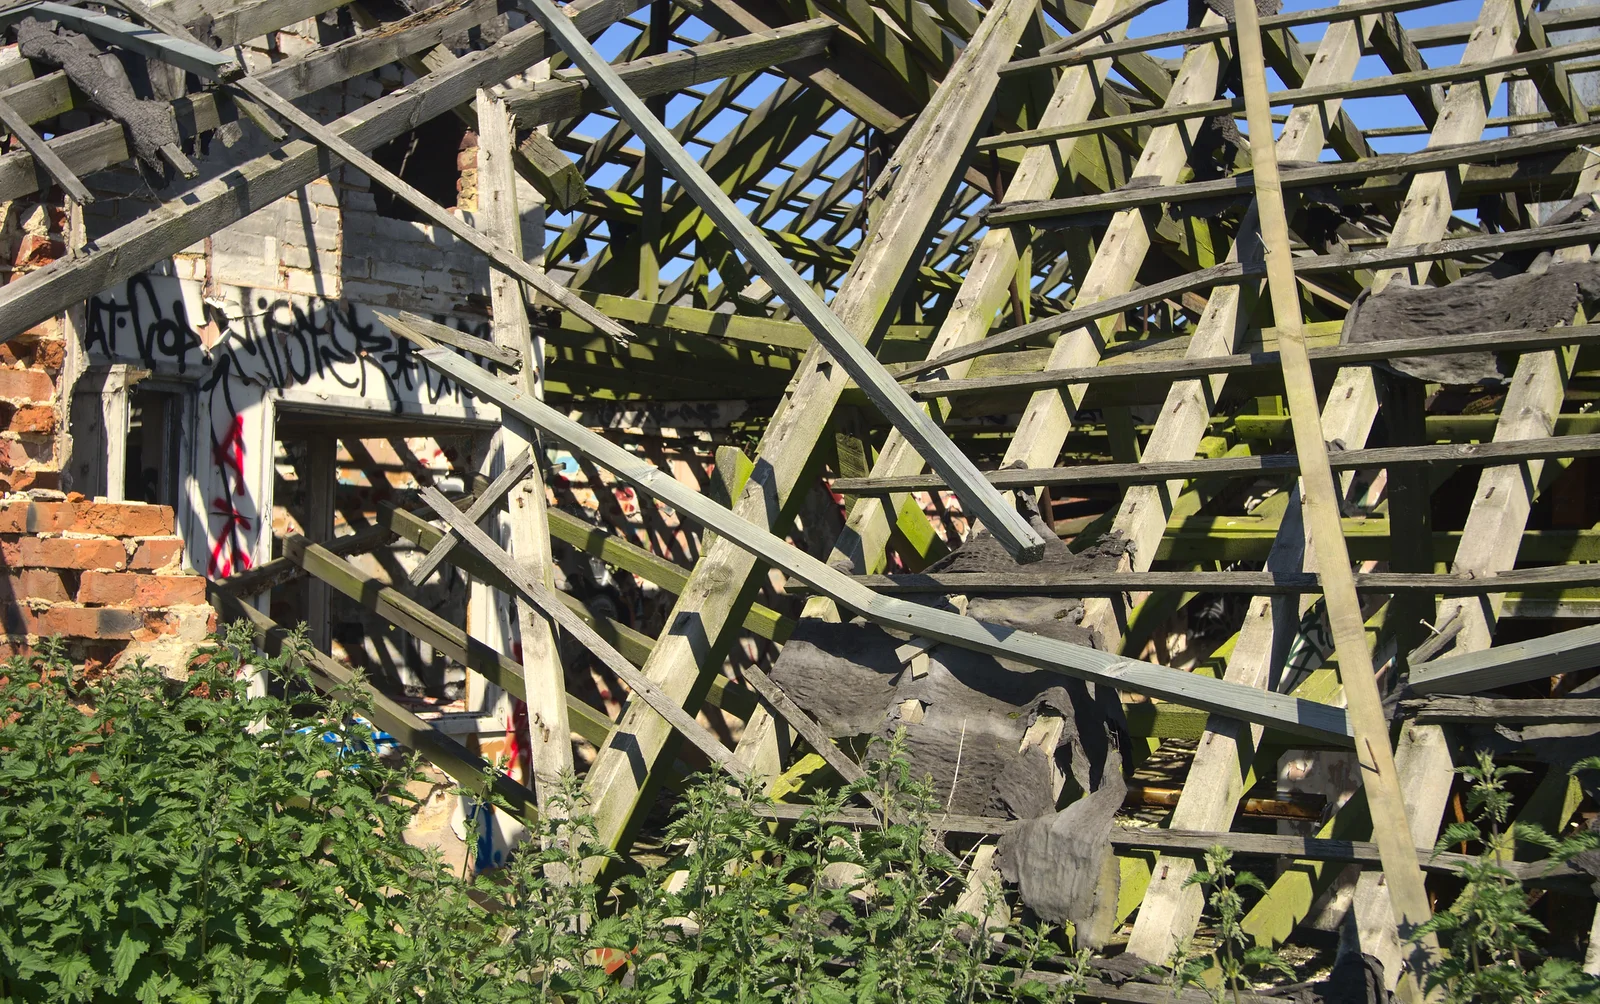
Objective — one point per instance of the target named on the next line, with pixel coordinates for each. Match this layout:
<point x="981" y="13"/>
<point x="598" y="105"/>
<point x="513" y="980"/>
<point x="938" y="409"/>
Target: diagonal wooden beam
<point x="536" y="594"/>
<point x="710" y="609"/>
<point x="47" y="158"/>
<point x="1002" y="520"/>
<point x="490" y="500"/>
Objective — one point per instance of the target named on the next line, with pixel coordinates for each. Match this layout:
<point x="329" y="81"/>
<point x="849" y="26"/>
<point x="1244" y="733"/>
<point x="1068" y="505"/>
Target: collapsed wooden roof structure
<point x="948" y="252"/>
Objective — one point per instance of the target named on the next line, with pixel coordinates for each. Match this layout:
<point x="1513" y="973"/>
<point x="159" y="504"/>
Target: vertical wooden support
<point x="321" y="483"/>
<point x="713" y="602"/>
<point x="1216" y="781"/>
<point x="1391" y="829"/>
<point x="650" y="196"/>
<point x="100" y="418"/>
<point x="1403" y="401"/>
<point x="550" y="734"/>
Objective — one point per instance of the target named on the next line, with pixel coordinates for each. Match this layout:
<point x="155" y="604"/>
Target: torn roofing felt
<point x="1542" y="297"/>
<point x="965" y="708"/>
<point x="1527" y="290"/>
<point x="104" y="79"/>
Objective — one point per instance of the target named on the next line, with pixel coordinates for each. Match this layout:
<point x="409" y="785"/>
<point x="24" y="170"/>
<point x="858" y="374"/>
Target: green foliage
<point x="166" y="841"/>
<point x="1488" y="932"/>
<point x="1225" y="970"/>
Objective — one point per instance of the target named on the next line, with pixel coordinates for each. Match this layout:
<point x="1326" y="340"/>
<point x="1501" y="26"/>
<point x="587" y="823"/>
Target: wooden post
<point x="550" y="733"/>
<point x="1386" y="801"/>
<point x="322" y="483"/>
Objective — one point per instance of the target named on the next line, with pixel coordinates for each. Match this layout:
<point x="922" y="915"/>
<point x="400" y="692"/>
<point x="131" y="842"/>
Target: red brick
<point x="71" y="552"/>
<point x="107" y="588"/>
<point x="83" y="622"/>
<point x="31" y="385"/>
<point x="38" y="251"/>
<point x="23" y="480"/>
<point x="20" y="453"/>
<point x="39" y="584"/>
<point x="36" y="517"/>
<point x="169" y="590"/>
<point x="52" y="354"/>
<point x="34" y="418"/>
<point x="156" y="553"/>
<point x="123" y="519"/>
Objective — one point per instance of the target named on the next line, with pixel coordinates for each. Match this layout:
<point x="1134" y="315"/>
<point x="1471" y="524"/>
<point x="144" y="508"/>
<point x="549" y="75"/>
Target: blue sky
<point x="1373" y="112"/>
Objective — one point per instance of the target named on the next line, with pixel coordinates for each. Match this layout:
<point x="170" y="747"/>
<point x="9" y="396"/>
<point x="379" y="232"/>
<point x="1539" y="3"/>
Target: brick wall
<point x="106" y="576"/>
<point x="31" y="363"/>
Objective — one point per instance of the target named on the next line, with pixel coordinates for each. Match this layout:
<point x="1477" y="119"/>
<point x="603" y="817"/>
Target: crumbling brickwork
<point x="31" y="364"/>
<point x="106" y="576"/>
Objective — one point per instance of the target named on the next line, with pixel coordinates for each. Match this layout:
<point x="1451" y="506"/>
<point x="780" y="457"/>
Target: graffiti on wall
<point x="237" y="349"/>
<point x="279" y="342"/>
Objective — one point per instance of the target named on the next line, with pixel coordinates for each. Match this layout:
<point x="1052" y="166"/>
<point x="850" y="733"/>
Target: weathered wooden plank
<point x="1157" y="471"/>
<point x="425" y="333"/>
<point x="1447" y="709"/>
<point x="1041" y="212"/>
<point x="1213" y="695"/>
<point x="998" y="516"/>
<point x="1506" y="665"/>
<point x="1385" y="799"/>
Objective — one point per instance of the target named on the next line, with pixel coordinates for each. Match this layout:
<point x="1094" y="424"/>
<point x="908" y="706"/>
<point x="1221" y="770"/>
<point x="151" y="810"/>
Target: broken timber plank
<point x="999" y="517"/>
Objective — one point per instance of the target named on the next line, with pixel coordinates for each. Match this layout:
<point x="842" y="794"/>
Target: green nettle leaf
<point x="130" y="948"/>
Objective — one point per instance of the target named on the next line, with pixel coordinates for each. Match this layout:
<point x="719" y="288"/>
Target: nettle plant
<point x="1488" y="932"/>
<point x="166" y="840"/>
<point x="1224" y="973"/>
